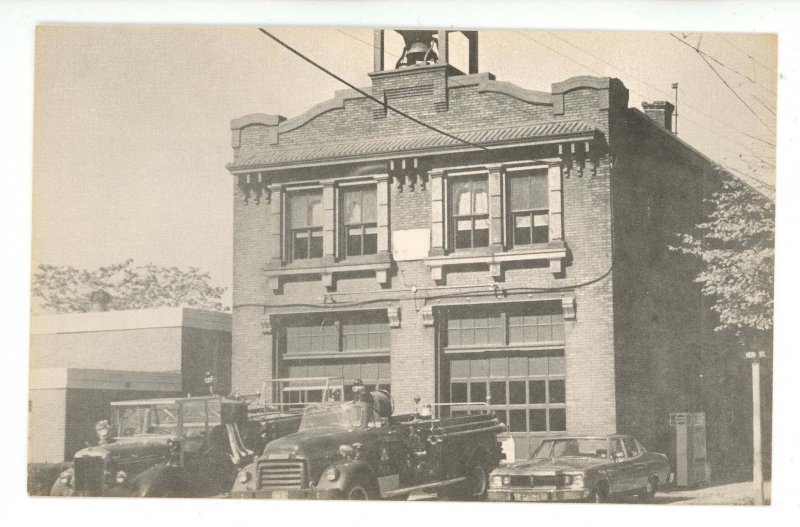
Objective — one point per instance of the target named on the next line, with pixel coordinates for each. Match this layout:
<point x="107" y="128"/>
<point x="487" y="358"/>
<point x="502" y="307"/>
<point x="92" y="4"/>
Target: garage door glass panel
<point x="497" y="390"/>
<point x="558" y="420"/>
<point x="557" y="391"/>
<point x="538" y="392"/>
<point x="517" y="421"/>
<point x="516" y="390"/>
<point x="538" y="420"/>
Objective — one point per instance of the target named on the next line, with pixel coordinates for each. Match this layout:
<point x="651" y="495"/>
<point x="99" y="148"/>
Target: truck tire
<point x="360" y="489"/>
<point x="476" y="485"/>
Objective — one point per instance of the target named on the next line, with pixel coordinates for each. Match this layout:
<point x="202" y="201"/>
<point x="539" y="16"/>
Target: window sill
<point x="336" y="355"/>
<point x="555" y="252"/>
<point x="540" y="346"/>
<point x="327" y="269"/>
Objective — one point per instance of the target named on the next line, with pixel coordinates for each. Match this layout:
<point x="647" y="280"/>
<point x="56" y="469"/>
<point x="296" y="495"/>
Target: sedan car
<point x="582" y="468"/>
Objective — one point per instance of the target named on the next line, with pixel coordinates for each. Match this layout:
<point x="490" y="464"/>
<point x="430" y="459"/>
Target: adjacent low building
<point x="81" y="362"/>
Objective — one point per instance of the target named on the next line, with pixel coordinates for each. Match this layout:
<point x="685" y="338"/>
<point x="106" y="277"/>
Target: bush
<point x="42" y="476"/>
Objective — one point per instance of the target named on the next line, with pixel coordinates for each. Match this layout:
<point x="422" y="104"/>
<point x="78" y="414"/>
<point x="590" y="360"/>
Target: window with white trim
<point x="528" y="207"/>
<point x="359" y="227"/>
<point x="304" y="227"/>
<point x="469" y="212"/>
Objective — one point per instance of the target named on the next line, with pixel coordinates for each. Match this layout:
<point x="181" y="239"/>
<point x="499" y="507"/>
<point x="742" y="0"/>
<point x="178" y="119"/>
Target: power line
<point x="367" y="95"/>
<point x="703" y="56"/>
<point x="711" y="130"/>
<point x="363" y="41"/>
<point x="747" y="54"/>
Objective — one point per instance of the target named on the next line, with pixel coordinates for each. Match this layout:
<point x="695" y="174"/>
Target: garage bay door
<point x="525" y="390"/>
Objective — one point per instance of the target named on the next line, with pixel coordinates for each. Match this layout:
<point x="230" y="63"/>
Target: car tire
<point x="599" y="494"/>
<point x="650" y="490"/>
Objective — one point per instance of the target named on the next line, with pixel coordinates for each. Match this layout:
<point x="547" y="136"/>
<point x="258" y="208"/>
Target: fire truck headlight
<point x="122" y="477"/>
<point x="332" y="474"/>
<point x="244" y="476"/>
<point x="66" y="478"/>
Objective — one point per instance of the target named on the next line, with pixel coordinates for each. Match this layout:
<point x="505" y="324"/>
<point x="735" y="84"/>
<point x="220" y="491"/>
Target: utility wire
<point x="703" y="56"/>
<point x="656" y="88"/>
<point x="364" y="42"/>
<point x="367" y="95"/>
<point x="746" y="54"/>
<point x="711" y="130"/>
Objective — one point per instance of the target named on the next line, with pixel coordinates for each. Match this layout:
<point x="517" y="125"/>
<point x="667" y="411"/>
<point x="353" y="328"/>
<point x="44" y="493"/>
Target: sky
<point x="132" y="123"/>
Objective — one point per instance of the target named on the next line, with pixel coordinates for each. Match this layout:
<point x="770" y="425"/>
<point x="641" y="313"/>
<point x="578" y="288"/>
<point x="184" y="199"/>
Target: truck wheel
<point x="477" y="482"/>
<point x="360" y="489"/>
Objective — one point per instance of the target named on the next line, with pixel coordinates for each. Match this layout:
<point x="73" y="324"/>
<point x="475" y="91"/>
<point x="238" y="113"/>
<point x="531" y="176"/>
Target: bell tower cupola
<point x="424" y="47"/>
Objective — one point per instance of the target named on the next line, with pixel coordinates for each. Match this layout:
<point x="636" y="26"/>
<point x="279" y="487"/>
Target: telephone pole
<point x="758" y="473"/>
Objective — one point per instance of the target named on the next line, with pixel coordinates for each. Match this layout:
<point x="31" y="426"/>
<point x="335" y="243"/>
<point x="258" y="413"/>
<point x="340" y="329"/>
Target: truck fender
<point x="349" y="472"/>
<point x="62" y="489"/>
<point x="159" y="481"/>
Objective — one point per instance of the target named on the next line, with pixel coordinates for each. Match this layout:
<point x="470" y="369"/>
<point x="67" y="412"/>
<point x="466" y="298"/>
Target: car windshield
<point x="147" y="419"/>
<point x="594" y="448"/>
<point x="342" y="415"/>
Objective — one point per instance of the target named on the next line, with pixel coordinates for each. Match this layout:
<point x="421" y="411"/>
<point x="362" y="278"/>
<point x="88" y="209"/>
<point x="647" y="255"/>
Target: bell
<point x="419" y="47"/>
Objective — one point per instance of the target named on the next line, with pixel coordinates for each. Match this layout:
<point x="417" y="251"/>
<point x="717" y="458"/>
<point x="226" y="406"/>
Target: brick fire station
<point x="522" y="260"/>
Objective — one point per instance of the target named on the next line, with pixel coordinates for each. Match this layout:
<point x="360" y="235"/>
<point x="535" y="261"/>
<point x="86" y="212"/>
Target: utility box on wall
<point x="688" y="452"/>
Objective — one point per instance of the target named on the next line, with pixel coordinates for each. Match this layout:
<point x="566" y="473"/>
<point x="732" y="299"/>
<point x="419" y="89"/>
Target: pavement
<point x="715" y="494"/>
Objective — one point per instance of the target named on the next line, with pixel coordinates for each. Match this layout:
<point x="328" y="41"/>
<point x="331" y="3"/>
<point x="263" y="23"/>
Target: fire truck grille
<point x="282" y="474"/>
<point x="89" y="475"/>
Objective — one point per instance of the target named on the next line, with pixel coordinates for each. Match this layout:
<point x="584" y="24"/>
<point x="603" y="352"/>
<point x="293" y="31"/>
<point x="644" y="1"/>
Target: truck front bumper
<point x="288" y="494"/>
<point x="537" y="495"/>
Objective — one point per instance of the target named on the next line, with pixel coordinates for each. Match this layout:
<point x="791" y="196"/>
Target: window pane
<point x="370" y="240"/>
<point x="540" y="235"/>
<point x="315" y="210"/>
<point x="369" y="205"/>
<point x="516" y="392"/>
<point x="557" y="391"/>
<point x="558" y="420"/>
<point x="354" y="241"/>
<point x="538" y="420"/>
<point x="477" y="392"/>
<point x="540" y="220"/>
<point x="538" y="392"/>
<point x="497" y="389"/>
<point x="298" y="210"/>
<point x="300" y="245"/>
<point x="557" y="365"/>
<point x="315" y="248"/>
<point x="520" y="193"/>
<point x="480" y="198"/>
<point x="522" y="221"/>
<point x="351" y="207"/>
<point x="462" y="198"/>
<point x="463" y="239"/>
<point x="481" y="235"/>
<point x="539" y="191"/>
<point x="517" y="421"/>
<point x="458" y="392"/>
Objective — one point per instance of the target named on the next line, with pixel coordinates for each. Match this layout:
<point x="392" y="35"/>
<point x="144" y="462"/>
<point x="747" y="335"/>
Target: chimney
<point x="660" y="112"/>
<point x="99" y="300"/>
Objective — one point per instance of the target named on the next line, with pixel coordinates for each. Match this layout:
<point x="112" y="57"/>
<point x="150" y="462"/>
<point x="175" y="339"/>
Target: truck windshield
<point x="594" y="448"/>
<point x="151" y="419"/>
<point x="342" y="415"/>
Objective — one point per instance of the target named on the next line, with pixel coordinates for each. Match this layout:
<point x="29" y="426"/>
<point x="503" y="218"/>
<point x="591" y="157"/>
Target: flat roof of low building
<point x="162" y="317"/>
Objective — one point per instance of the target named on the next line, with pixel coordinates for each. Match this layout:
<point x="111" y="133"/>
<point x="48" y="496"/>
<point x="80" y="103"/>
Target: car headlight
<point x="244" y="476"/>
<point x="577" y="480"/>
<point x="567" y="480"/>
<point x="121" y="477"/>
<point x="506" y="480"/>
<point x="496" y="481"/>
<point x="332" y="474"/>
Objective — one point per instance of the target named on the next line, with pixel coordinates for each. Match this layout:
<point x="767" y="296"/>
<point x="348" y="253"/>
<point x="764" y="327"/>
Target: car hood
<point x="128" y="447"/>
<point x="551" y="466"/>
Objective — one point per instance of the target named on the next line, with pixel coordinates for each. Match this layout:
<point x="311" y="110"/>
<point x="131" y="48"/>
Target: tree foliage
<point x="737" y="249"/>
<point x="65" y="289"/>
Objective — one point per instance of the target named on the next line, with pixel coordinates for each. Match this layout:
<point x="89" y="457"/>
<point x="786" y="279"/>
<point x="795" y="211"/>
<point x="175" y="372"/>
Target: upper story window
<point x="470" y="212"/>
<point x="526" y="324"/>
<point x="529" y="207"/>
<point x="359" y="231"/>
<point x="304" y="224"/>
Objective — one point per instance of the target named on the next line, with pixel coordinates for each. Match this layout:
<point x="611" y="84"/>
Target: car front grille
<point x="288" y="474"/>
<point x="89" y="475"/>
<point x="535" y="481"/>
